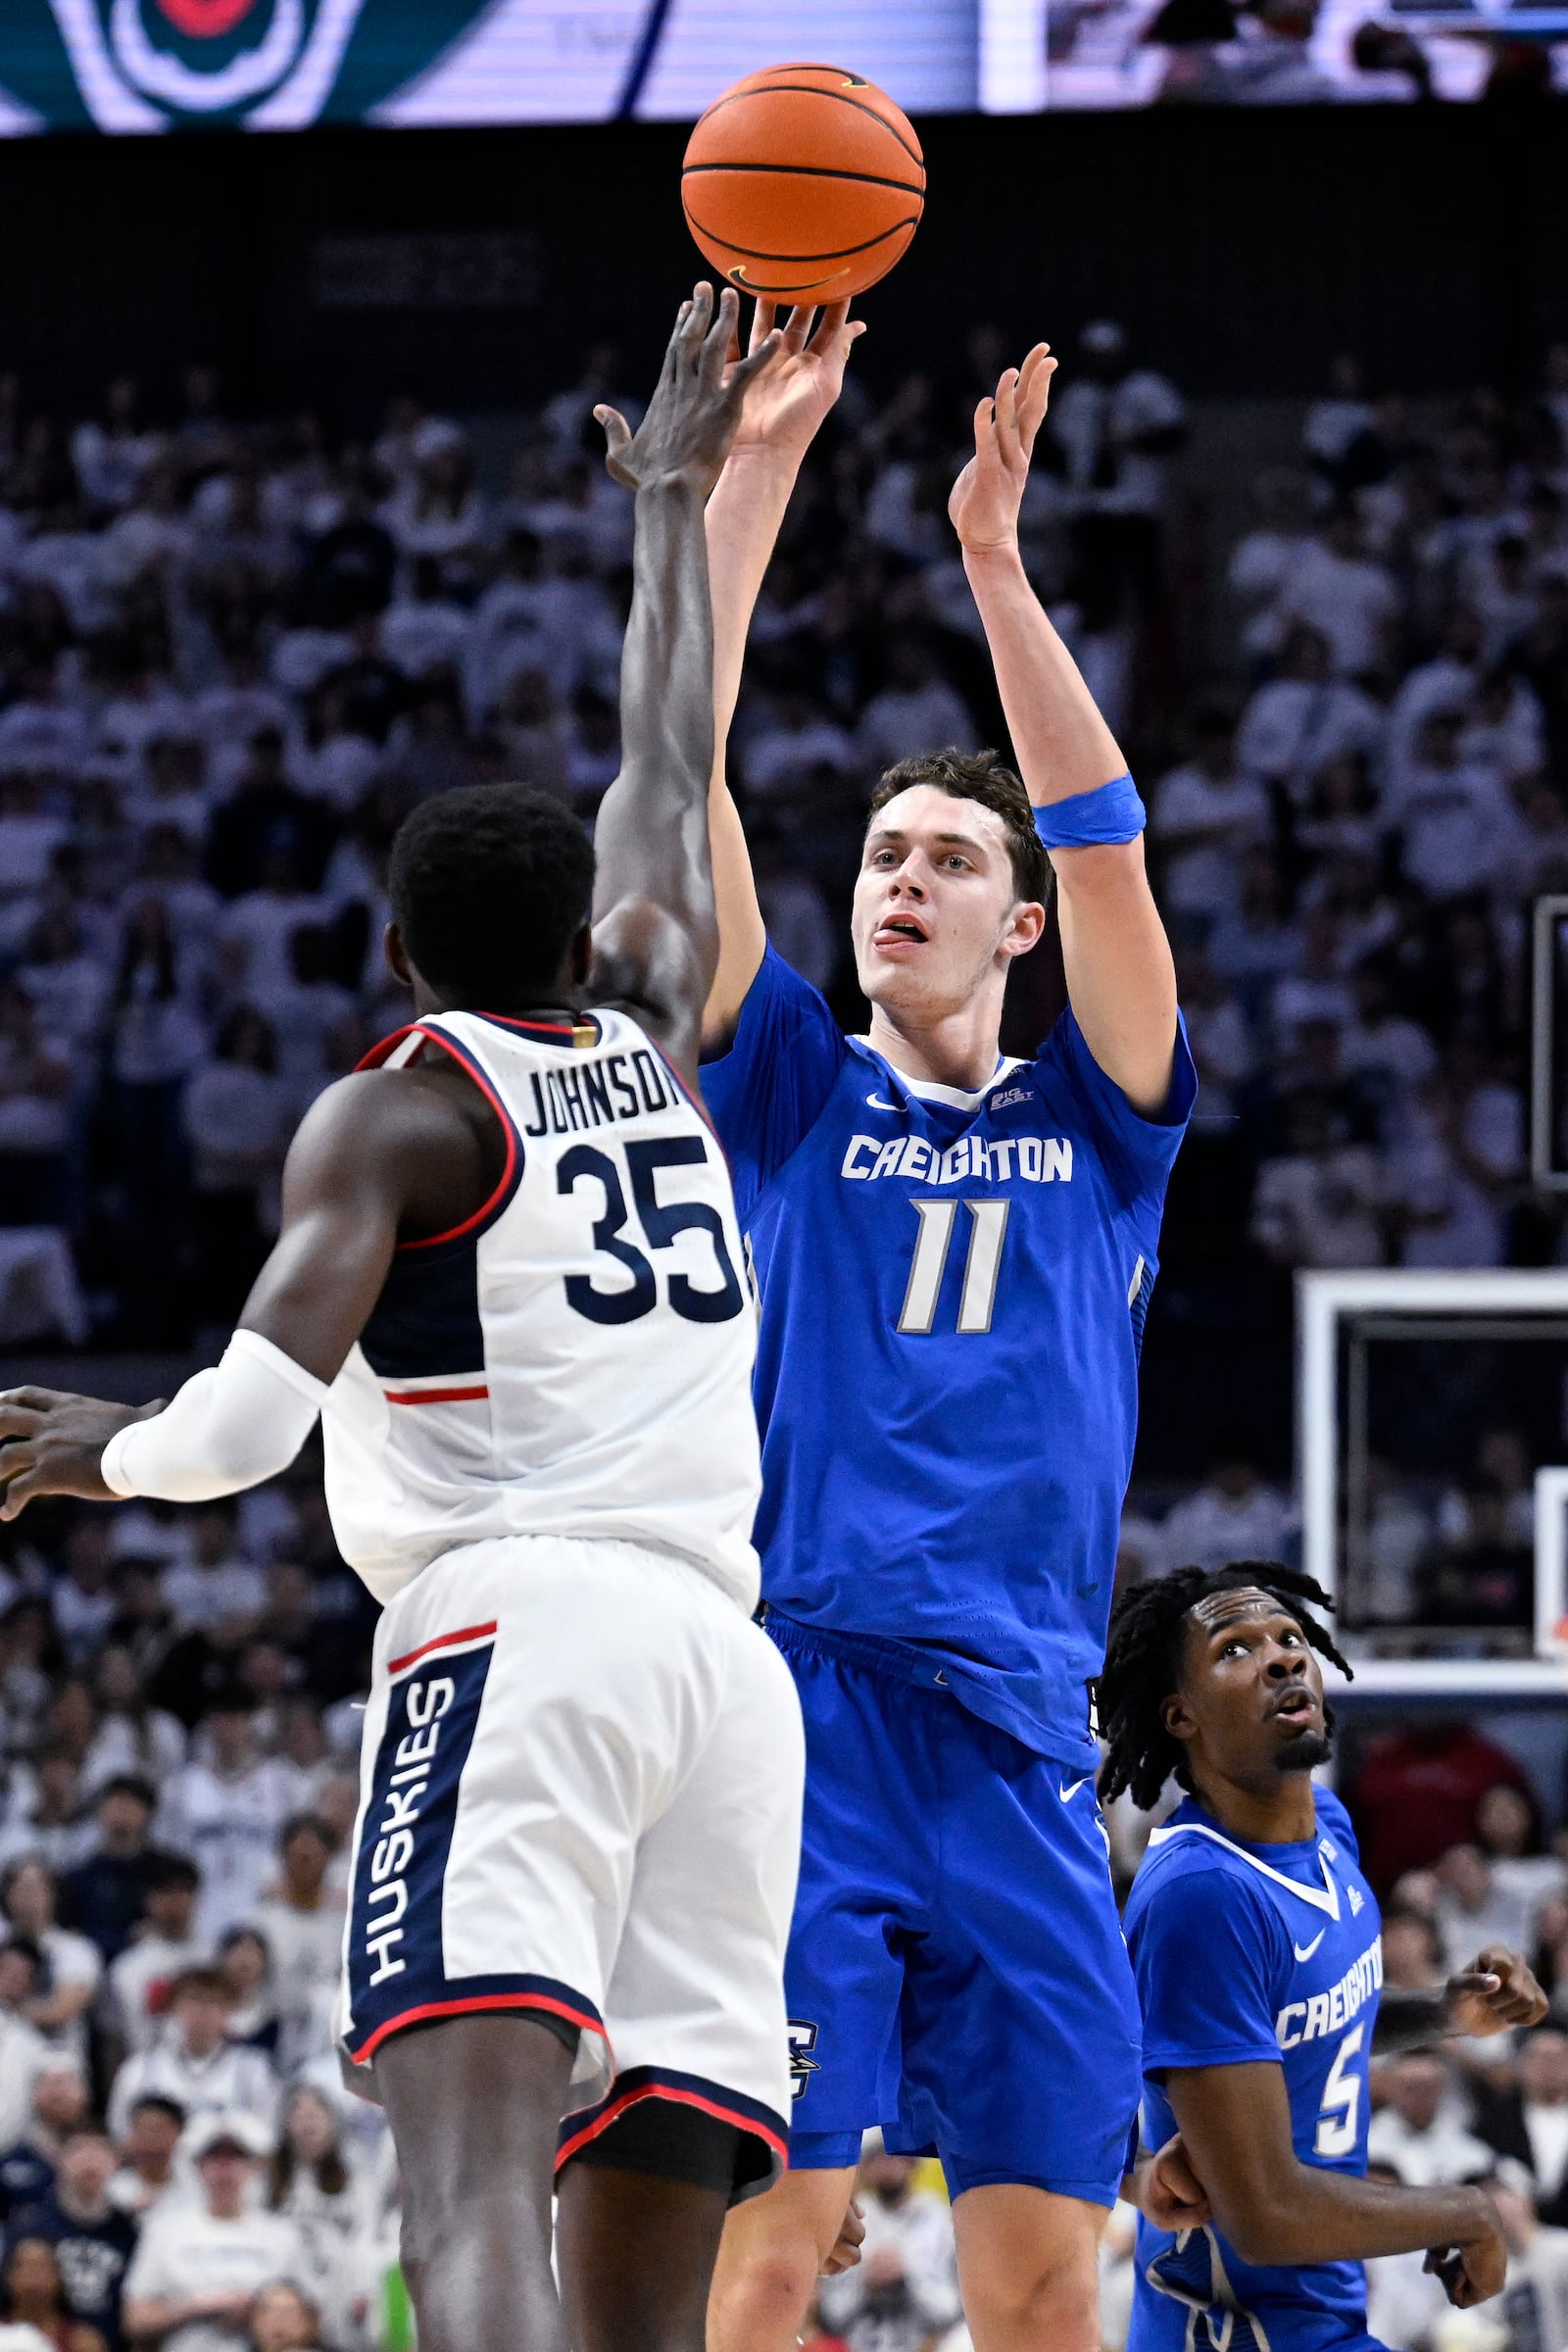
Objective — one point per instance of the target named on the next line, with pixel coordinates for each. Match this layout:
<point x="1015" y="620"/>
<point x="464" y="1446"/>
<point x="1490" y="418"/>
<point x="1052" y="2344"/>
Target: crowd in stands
<point x="233" y="654"/>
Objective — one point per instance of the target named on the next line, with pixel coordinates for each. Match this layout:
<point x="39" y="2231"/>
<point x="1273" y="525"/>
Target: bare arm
<point x="1494" y="1994"/>
<point x="656" y="927"/>
<point x="783" y="411"/>
<point x="377" y="1153"/>
<point x="1120" y="978"/>
<point x="1236" y="2127"/>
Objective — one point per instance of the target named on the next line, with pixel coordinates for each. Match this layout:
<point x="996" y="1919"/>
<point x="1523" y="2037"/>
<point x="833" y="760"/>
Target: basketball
<point x="803" y="184"/>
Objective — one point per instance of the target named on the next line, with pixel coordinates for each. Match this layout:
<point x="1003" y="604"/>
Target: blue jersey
<point x="1269" y="1954"/>
<point x="953" y="1293"/>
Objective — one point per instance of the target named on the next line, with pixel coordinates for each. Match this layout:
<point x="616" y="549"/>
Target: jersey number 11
<point x="988" y="1222"/>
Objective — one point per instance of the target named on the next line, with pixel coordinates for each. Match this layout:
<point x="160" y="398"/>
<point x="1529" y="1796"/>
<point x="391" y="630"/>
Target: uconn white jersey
<point x="575" y="1358"/>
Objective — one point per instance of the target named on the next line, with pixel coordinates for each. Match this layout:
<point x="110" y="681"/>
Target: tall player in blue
<point x="954" y="1253"/>
<point x="1256" y="1945"/>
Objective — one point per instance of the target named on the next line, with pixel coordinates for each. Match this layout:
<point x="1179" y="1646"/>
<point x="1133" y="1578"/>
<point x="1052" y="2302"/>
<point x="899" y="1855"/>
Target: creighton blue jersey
<point x="1243" y="1953"/>
<point x="952" y="1296"/>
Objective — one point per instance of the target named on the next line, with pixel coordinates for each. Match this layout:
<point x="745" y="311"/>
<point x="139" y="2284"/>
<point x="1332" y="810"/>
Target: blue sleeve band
<point x="1113" y="813"/>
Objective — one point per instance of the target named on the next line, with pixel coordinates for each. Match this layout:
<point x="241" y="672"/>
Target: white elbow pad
<point x="230" y="1426"/>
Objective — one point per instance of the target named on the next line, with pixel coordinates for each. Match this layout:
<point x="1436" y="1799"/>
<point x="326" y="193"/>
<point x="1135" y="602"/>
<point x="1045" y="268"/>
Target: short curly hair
<point x="986" y="777"/>
<point x="489" y="885"/>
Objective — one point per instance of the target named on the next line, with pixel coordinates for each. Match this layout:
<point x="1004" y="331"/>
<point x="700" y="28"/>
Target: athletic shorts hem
<point x="754" y="2122"/>
<point x="959" y="2178"/>
<point x="824" y="2151"/>
<point x="489" y="1994"/>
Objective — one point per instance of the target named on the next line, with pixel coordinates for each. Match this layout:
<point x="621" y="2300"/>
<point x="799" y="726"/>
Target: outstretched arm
<point x="655" y="930"/>
<point x="1120" y="978"/>
<point x="1494" y="1994"/>
<point x="782" y="414"/>
<point x="1236" y="2129"/>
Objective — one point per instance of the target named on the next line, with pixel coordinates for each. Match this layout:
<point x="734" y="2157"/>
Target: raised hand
<point x="1497" y="1992"/>
<point x="786" y="403"/>
<point x="987" y="495"/>
<point x="691" y="419"/>
<point x="1475" y="2272"/>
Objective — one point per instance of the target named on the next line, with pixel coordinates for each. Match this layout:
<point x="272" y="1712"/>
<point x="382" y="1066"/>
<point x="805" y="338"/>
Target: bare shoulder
<point x="373" y="1122"/>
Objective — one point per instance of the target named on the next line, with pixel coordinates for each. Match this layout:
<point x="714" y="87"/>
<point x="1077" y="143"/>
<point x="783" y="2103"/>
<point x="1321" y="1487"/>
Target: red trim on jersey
<point x="435" y="1395"/>
<point x="472" y="2007"/>
<point x="508" y="1021"/>
<point x="681" y="2098"/>
<point x="487" y="1208"/>
<point x="388" y="1046"/>
<point x="467" y="1633"/>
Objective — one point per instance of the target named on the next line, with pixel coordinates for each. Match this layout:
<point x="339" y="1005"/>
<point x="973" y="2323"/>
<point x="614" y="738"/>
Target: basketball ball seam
<point x="807" y="89"/>
<point x="836" y="253"/>
<point x="870" y="180"/>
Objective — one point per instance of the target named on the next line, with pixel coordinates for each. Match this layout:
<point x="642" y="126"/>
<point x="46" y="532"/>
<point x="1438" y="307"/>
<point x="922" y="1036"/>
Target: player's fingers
<point x="1033" y="401"/>
<point x="985" y="427"/>
<point x="754" y="361"/>
<point x="18" y="1492"/>
<point x="831" y="324"/>
<point x="18" y="1421"/>
<point x="694" y="324"/>
<point x="617" y="438"/>
<point x="37" y="1401"/>
<point x="797" y="328"/>
<point x="763" y="309"/>
<point x="724" y="330"/>
<point x="1007" y="419"/>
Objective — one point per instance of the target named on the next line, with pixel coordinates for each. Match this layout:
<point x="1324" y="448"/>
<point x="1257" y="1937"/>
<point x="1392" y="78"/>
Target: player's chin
<point x="1304" y="1750"/>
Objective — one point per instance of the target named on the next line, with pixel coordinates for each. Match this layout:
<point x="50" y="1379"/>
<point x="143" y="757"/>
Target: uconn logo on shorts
<point x="395" y="1957"/>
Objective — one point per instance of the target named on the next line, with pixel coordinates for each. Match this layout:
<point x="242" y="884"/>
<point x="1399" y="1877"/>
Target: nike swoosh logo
<point x="877" y="1103"/>
<point x="1066" y="1794"/>
<point x="1305" y="1952"/>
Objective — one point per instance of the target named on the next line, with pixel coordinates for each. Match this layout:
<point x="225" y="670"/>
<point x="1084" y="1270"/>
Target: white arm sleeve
<point x="230" y="1426"/>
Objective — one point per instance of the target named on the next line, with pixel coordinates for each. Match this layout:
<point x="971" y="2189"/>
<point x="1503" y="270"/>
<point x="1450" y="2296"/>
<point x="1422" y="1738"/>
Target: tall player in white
<point x="509" y="1282"/>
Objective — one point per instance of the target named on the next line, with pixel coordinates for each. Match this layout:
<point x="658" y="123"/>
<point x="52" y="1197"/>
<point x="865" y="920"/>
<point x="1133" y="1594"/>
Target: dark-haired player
<point x="510" y="1281"/>
<point x="955" y="1253"/>
<point x="1256" y="1943"/>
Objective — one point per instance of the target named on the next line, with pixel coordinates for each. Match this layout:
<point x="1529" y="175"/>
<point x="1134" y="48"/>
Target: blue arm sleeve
<point x="768" y="1091"/>
<point x="1204" y="1955"/>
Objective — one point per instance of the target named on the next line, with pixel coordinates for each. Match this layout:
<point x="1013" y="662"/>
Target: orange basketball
<point x="803" y="184"/>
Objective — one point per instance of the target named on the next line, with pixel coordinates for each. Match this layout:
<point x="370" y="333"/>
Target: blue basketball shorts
<point x="956" y="1972"/>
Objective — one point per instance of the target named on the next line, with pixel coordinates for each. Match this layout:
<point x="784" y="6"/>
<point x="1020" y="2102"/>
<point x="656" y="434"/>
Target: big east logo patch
<point x="149" y="65"/>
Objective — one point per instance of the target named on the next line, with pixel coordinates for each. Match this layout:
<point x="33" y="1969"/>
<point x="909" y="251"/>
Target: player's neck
<point x="956" y="1049"/>
<point x="1284" y="1813"/>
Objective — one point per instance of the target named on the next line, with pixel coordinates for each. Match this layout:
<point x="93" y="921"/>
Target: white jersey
<point x="575" y="1358"/>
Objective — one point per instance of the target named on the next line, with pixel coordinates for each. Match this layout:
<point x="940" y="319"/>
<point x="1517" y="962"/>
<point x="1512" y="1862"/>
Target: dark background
<point x="1241" y="246"/>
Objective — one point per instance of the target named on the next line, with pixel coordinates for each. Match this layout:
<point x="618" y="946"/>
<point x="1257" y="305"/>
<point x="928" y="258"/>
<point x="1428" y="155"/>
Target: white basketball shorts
<point x="581" y="1794"/>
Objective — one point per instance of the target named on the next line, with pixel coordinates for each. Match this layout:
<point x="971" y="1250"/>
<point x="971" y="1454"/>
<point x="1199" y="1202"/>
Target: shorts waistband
<point x="895" y="1661"/>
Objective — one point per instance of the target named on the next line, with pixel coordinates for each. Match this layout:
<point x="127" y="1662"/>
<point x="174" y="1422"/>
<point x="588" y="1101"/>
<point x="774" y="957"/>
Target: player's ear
<point x="1177" y="1717"/>
<point x="1024" y="926"/>
<point x="397" y="956"/>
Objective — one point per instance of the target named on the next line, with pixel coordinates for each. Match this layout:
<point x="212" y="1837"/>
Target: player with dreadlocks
<point x="1255" y="1943"/>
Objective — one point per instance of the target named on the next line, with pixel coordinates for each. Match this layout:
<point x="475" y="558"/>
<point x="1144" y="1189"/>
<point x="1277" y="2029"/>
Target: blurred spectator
<point x="1528" y="2119"/>
<point x="905" y="2287"/>
<point x="200" y="2262"/>
<point x="147" y="2150"/>
<point x="193" y="2063"/>
<point x="226" y="1807"/>
<point x="282" y="2319"/>
<point x="1418" y="1793"/>
<point x="32" y="2298"/>
<point x="92" y="2238"/>
<point x="1234" y="1515"/>
<point x="1417" y="2130"/>
<point x="302" y="1922"/>
<point x="58" y="2107"/>
<point x="72" y="1965"/>
<point x="166" y="1948"/>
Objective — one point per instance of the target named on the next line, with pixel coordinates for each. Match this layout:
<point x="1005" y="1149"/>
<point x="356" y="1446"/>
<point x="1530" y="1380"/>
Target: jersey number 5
<point x="660" y="1220"/>
<point x="1342" y="2100"/>
<point x="988" y="1222"/>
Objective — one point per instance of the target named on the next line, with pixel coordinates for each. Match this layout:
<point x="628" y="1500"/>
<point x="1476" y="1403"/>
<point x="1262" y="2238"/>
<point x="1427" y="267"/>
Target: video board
<point x="151" y="66"/>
